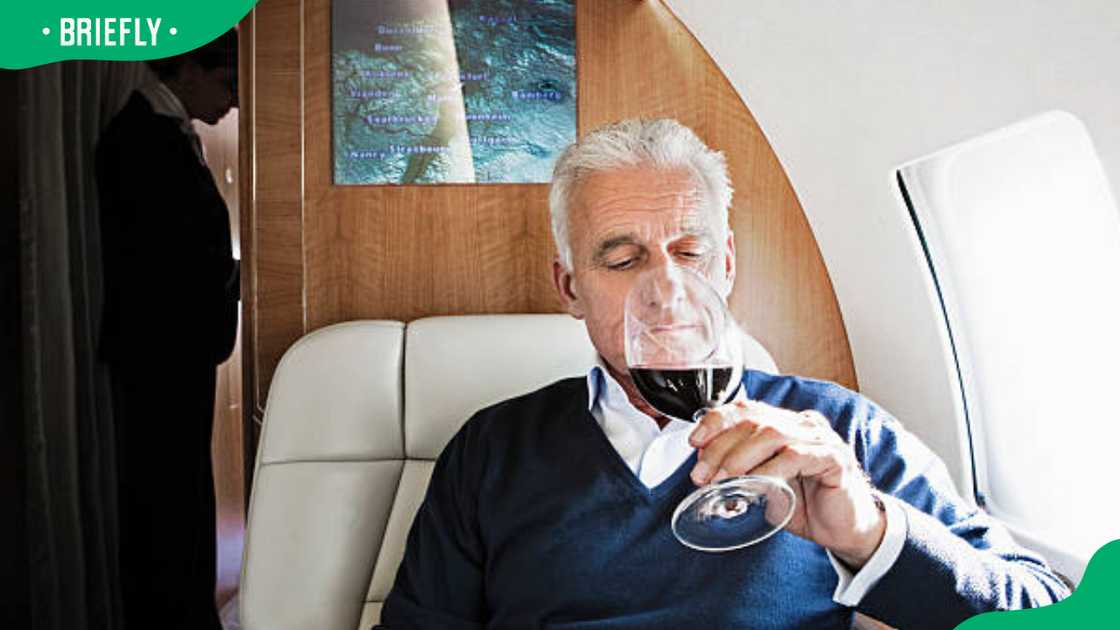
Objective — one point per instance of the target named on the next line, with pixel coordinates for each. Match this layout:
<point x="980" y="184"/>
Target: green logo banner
<point x="1093" y="605"/>
<point x="35" y="33"/>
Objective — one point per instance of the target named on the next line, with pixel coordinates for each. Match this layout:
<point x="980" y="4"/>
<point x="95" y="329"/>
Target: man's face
<point x="213" y="91"/>
<point x="624" y="222"/>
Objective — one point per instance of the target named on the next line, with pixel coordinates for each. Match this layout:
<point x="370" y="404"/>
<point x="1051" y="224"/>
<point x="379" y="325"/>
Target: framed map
<point x="451" y="91"/>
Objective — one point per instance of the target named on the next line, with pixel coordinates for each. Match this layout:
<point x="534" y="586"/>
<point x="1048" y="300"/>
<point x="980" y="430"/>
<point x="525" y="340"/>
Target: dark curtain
<point x="67" y="430"/>
<point x="14" y="612"/>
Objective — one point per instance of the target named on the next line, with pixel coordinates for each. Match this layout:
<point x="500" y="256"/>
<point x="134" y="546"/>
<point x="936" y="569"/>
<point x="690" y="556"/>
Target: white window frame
<point x="922" y="211"/>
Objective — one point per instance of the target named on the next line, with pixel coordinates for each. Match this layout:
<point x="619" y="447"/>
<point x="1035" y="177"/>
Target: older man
<point x="552" y="509"/>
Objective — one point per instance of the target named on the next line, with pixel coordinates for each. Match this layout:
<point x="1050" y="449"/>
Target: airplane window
<point x="1023" y="237"/>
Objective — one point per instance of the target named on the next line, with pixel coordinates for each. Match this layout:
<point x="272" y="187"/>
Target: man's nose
<point x="670" y="289"/>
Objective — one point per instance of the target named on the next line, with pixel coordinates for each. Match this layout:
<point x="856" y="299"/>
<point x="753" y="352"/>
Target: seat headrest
<point x="336" y="395"/>
<point x="457" y="365"/>
<point x="454" y="366"/>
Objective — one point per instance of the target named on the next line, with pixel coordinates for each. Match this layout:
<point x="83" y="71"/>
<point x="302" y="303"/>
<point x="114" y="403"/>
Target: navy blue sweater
<point x="533" y="520"/>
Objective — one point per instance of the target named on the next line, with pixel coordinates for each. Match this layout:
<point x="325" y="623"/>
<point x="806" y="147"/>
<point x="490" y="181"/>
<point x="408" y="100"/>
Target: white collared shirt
<point x="654" y="452"/>
<point x="165" y="103"/>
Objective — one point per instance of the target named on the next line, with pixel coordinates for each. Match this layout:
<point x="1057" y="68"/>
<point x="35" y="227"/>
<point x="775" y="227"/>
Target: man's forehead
<point x="623" y="201"/>
<point x="607" y="186"/>
<point x="655" y="227"/>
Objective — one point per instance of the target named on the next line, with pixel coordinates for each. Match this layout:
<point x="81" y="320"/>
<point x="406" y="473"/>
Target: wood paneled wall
<point x="320" y="254"/>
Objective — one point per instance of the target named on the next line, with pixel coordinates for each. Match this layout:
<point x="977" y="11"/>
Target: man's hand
<point x="835" y="505"/>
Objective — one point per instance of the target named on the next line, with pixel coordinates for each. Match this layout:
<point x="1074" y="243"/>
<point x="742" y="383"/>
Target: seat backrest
<point x="356" y="415"/>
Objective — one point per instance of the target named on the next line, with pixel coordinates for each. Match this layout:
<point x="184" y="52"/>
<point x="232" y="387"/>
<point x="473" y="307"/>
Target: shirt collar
<point x="599" y="379"/>
<point x="164" y="101"/>
<point x="615" y="412"/>
<point x="604" y="390"/>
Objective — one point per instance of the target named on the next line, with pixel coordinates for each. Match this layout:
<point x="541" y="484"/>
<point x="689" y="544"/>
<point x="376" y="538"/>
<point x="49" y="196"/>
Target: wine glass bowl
<point x="682" y="347"/>
<point x="684" y="353"/>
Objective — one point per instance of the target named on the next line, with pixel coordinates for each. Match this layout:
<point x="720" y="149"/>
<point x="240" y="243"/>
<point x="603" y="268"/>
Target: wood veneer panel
<point x="227" y="453"/>
<point x="277" y="286"/>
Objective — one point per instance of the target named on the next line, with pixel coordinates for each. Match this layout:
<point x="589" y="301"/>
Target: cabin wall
<point x="322" y="254"/>
<point x="847" y="92"/>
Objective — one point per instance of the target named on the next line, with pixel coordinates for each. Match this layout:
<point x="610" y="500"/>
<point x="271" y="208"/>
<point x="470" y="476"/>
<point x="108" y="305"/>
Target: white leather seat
<point x="356" y="415"/>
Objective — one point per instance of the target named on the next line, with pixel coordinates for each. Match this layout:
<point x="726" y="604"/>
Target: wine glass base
<point x="733" y="513"/>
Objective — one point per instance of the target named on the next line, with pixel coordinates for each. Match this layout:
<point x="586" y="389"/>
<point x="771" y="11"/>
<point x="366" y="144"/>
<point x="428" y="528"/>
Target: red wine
<point x="682" y="392"/>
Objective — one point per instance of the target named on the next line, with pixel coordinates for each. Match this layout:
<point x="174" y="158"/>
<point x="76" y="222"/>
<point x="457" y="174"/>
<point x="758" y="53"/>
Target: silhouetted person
<point x="170" y="317"/>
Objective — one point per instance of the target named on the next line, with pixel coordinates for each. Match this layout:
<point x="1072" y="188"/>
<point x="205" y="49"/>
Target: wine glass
<point x="684" y="352"/>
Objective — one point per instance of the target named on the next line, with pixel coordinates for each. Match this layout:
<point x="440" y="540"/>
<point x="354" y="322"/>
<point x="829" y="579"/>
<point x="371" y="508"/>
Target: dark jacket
<point x="171" y="283"/>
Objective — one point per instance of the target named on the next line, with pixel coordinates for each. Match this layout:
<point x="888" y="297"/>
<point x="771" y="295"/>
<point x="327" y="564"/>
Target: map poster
<point x="451" y="91"/>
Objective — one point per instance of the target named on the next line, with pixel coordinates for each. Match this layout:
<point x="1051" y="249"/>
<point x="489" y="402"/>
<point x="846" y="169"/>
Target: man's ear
<point x="729" y="261"/>
<point x="563" y="281"/>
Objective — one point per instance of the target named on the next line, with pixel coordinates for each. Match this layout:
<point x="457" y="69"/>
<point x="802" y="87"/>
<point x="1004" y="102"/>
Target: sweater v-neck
<point x="612" y="461"/>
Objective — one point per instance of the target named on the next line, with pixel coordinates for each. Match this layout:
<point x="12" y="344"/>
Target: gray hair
<point x="662" y="143"/>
